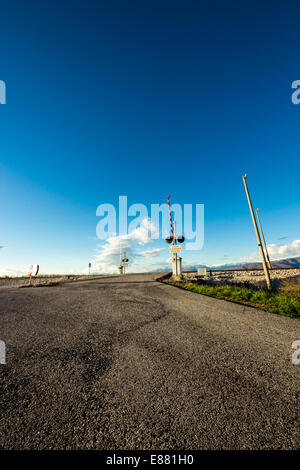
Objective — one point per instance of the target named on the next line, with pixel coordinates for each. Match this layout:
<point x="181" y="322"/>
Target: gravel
<point x="254" y="278"/>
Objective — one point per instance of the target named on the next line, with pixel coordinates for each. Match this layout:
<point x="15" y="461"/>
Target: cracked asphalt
<point x="130" y="363"/>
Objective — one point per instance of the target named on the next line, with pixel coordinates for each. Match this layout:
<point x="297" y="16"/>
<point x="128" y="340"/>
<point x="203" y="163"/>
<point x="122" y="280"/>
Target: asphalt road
<point x="130" y="363"/>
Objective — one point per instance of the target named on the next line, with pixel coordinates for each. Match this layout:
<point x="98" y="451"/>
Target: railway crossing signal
<point x="174" y="248"/>
<point x="123" y="262"/>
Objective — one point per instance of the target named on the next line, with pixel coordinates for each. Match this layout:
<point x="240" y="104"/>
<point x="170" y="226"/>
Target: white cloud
<point x="151" y="253"/>
<point x="287" y="250"/>
<point x="251" y="257"/>
<point x="12" y="272"/>
<point x="107" y="258"/>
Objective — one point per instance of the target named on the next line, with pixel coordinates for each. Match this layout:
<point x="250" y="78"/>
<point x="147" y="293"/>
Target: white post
<point x="2" y="352"/>
<point x="176" y="271"/>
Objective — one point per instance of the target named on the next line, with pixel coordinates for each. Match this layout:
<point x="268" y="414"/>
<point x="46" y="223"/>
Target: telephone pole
<point x="262" y="254"/>
<point x="264" y="241"/>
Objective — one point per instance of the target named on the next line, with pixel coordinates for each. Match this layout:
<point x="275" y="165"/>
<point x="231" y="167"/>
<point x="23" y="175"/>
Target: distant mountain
<point x="212" y="268"/>
<point x="281" y="263"/>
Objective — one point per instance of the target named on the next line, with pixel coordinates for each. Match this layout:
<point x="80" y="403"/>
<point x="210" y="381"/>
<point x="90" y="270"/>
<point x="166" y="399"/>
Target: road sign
<point x="175" y="248"/>
<point x="33" y="270"/>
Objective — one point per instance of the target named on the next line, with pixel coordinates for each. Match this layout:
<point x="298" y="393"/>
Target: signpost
<point x="33" y="269"/>
<point x="175" y="249"/>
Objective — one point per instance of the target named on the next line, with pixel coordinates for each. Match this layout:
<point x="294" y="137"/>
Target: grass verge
<point x="39" y="284"/>
<point x="274" y="302"/>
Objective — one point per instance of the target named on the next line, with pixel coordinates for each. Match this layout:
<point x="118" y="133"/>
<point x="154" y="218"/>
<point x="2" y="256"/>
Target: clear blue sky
<point x="145" y="99"/>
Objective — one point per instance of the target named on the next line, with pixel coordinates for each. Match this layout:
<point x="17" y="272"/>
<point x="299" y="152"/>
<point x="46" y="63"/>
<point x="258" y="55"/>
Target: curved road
<point x="130" y="363"/>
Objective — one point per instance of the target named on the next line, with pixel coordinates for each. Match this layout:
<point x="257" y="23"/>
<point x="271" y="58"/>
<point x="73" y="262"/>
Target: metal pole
<point x="267" y="274"/>
<point x="174" y="243"/>
<point x="264" y="241"/>
<point x="121" y="263"/>
<point x="170" y="215"/>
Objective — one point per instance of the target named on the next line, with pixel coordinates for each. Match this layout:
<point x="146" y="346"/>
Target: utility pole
<point x="267" y="274"/>
<point x="264" y="241"/>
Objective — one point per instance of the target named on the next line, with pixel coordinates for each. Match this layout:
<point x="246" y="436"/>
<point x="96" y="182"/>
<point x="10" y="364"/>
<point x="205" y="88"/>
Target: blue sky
<point x="146" y="99"/>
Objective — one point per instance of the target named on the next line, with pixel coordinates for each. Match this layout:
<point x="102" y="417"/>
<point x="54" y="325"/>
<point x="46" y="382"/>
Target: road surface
<point x="130" y="363"/>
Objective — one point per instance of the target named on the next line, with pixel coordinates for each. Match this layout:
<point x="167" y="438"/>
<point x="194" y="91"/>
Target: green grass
<point x="274" y="302"/>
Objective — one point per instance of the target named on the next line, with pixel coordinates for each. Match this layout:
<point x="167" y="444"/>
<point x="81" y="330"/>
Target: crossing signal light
<point x="180" y="239"/>
<point x="169" y="239"/>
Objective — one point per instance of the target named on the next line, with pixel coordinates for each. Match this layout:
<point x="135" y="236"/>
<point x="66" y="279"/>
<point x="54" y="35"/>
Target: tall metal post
<point x="266" y="271"/>
<point x="121" y="269"/>
<point x="264" y="241"/>
<point x="170" y="215"/>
